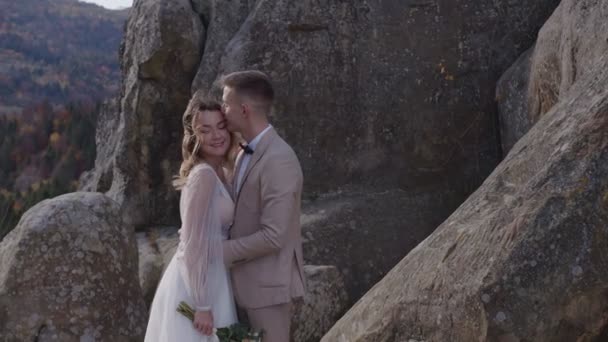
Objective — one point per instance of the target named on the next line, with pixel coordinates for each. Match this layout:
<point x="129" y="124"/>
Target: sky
<point x="112" y="4"/>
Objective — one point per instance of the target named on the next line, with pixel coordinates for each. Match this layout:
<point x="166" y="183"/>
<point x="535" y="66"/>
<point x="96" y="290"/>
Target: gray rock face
<point x="68" y="272"/>
<point x="224" y="19"/>
<point x="523" y="259"/>
<point x="150" y="267"/>
<point x="365" y="234"/>
<point x="383" y="93"/>
<point x="567" y="50"/>
<point x="324" y="303"/>
<point x="512" y="97"/>
<point x="100" y="178"/>
<point x="156" y="248"/>
<point x="160" y="54"/>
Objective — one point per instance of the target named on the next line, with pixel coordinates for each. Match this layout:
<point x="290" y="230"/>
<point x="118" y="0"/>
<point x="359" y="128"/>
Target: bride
<point x="196" y="274"/>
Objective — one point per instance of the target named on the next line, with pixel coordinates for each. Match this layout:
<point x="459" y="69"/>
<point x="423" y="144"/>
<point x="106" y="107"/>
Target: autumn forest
<point x="58" y="62"/>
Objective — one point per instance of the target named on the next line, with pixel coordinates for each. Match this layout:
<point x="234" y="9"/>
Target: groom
<point x="265" y="250"/>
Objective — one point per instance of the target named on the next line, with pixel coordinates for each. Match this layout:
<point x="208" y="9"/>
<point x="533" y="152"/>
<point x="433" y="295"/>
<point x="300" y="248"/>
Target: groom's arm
<point x="281" y="184"/>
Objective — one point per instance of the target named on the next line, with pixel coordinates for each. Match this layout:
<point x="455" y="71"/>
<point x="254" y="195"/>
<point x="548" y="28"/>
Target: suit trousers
<point x="275" y="320"/>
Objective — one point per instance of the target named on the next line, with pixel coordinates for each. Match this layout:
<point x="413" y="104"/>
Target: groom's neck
<point x="254" y="129"/>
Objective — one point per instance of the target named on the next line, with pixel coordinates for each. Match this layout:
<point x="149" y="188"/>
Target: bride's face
<point x="210" y="128"/>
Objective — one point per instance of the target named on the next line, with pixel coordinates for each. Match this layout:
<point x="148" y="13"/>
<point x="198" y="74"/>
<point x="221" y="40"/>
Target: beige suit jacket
<point x="264" y="252"/>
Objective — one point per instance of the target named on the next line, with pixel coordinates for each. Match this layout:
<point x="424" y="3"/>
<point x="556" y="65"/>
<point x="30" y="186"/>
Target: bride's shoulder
<point x="202" y="171"/>
<point x="201" y="166"/>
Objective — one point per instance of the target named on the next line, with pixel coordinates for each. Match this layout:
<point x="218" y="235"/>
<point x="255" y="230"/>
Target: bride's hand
<point x="203" y="322"/>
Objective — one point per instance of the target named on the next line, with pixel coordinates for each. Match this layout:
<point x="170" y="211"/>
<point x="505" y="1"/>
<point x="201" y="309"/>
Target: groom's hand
<point x="203" y="322"/>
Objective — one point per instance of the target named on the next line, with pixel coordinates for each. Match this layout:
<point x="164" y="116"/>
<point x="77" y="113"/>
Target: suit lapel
<point x="255" y="158"/>
<point x="235" y="174"/>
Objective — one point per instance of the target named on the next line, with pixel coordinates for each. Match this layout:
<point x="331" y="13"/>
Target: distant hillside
<point x="61" y="50"/>
<point x="43" y="151"/>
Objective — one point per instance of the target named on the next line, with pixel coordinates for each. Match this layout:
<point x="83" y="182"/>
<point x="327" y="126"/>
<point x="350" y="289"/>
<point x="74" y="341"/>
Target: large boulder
<point x="523" y="259"/>
<point x="224" y="19"/>
<point x="365" y="234"/>
<point x="99" y="179"/>
<point x="512" y="98"/>
<point x="324" y="303"/>
<point x="567" y="50"/>
<point x="156" y="248"/>
<point x="68" y="272"/>
<point x="150" y="266"/>
<point x="160" y="54"/>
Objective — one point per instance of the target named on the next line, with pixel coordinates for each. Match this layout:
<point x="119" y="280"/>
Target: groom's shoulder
<point x="281" y="149"/>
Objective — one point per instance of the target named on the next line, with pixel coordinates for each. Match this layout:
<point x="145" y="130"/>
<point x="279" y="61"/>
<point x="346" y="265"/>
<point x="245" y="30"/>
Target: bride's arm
<point x="201" y="236"/>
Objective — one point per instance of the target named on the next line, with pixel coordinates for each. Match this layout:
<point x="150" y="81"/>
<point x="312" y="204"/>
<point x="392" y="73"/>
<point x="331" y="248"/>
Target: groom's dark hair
<point x="252" y="83"/>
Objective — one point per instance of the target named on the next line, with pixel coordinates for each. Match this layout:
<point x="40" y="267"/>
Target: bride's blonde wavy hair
<point x="191" y="144"/>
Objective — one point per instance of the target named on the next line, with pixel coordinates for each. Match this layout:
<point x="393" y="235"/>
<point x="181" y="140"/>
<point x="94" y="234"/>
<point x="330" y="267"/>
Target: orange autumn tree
<point x="43" y="151"/>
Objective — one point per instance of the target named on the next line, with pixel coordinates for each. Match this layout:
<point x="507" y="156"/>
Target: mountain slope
<point x="62" y="50"/>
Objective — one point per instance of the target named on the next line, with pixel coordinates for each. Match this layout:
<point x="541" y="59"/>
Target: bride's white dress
<point x="196" y="274"/>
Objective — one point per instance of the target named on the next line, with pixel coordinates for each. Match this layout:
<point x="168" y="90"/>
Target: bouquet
<point x="238" y="332"/>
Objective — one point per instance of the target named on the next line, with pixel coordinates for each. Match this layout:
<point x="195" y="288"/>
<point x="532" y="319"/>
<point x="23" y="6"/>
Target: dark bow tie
<point x="246" y="148"/>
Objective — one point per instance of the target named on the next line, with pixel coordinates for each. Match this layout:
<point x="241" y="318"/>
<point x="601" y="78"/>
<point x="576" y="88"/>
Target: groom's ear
<point x="245" y="109"/>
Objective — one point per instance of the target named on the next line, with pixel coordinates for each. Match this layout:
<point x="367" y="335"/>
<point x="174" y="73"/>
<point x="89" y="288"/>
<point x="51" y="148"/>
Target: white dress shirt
<point x="247" y="157"/>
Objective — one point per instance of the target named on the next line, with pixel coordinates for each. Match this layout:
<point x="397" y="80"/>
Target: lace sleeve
<point x="200" y="237"/>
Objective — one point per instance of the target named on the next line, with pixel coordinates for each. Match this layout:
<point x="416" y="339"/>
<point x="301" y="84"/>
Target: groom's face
<point x="232" y="109"/>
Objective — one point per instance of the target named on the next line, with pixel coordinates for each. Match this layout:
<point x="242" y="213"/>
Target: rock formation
<point x="568" y="49"/>
<point x="160" y="53"/>
<point x="68" y="272"/>
<point x="324" y="303"/>
<point x="523" y="258"/>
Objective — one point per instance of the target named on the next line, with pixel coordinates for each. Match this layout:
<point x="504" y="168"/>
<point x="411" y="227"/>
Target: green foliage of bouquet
<point x="238" y="332"/>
